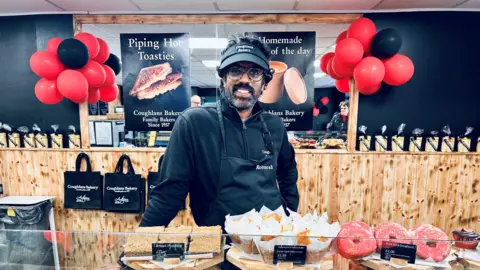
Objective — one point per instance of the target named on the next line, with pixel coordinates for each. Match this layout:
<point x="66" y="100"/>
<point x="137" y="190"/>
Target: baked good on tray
<point x="466" y="238"/>
<point x="176" y="235"/>
<point x="268" y="228"/>
<point x="141" y="244"/>
<point x="206" y="240"/>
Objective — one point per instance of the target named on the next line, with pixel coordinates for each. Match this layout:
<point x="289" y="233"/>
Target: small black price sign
<point x="289" y="253"/>
<point x="1" y="189"/>
<point x="161" y="251"/>
<point x="398" y="250"/>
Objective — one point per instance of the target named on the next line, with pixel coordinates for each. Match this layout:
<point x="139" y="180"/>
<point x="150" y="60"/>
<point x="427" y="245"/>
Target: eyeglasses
<point x="235" y="73"/>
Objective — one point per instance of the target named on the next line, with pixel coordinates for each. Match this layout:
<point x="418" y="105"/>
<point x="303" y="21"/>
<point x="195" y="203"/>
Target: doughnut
<point x="393" y="232"/>
<point x="432" y="242"/>
<point x="356" y="240"/>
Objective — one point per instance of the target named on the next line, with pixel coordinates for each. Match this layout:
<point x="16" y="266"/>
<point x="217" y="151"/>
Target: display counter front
<point x="307" y="243"/>
<point x="408" y="188"/>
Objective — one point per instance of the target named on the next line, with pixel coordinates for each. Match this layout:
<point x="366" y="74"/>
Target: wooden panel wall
<point x="441" y="189"/>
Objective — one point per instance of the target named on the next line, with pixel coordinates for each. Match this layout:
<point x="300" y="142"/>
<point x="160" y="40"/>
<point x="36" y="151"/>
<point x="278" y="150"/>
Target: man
<point x="230" y="157"/>
<point x="339" y="120"/>
<point x="195" y="101"/>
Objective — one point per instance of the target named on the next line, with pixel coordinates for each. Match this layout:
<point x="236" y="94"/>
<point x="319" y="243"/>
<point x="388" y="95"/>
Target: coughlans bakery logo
<point x="122" y="189"/>
<point x="121" y="200"/>
<point x="82" y="199"/>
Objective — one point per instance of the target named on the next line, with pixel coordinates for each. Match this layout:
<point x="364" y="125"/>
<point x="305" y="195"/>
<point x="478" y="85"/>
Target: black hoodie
<point x="191" y="162"/>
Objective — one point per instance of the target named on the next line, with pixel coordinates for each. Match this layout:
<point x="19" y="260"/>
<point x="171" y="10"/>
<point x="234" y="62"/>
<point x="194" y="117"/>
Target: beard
<point x="241" y="103"/>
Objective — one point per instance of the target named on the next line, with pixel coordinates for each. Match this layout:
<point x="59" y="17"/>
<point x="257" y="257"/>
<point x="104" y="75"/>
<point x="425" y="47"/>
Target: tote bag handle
<point x="78" y="162"/>
<point x="119" y="167"/>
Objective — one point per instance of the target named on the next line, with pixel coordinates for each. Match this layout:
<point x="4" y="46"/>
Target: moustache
<point x="244" y="86"/>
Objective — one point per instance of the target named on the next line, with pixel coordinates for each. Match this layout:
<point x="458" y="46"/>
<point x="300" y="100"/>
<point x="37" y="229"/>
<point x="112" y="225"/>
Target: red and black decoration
<point x="368" y="57"/>
<point x="81" y="69"/>
<point x="320" y="106"/>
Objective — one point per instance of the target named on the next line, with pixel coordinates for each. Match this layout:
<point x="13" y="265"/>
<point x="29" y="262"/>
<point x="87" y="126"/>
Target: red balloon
<point x="324" y="100"/>
<point x="324" y="61"/>
<point x="46" y="65"/>
<point x="109" y="94"/>
<point x="82" y="100"/>
<point x="341" y="37"/>
<point x="369" y="90"/>
<point x="94" y="73"/>
<point x="343" y="85"/>
<point x="91" y="42"/>
<point x="46" y="91"/>
<point x="363" y="30"/>
<point x="316" y="111"/>
<point x="52" y="44"/>
<point x="93" y="95"/>
<point x="331" y="72"/>
<point x="349" y="51"/>
<point x="399" y="69"/>
<point x="110" y="76"/>
<point x="369" y="72"/>
<point x="340" y="69"/>
<point x="104" y="52"/>
<point x="73" y="85"/>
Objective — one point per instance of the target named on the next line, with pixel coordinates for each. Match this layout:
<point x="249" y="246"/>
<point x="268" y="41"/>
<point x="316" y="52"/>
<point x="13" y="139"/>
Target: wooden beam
<point x="83" y="107"/>
<point x="352" y="117"/>
<point x="217" y="19"/>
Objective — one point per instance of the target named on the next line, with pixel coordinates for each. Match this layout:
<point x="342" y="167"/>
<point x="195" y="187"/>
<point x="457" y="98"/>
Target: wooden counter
<point x="409" y="188"/>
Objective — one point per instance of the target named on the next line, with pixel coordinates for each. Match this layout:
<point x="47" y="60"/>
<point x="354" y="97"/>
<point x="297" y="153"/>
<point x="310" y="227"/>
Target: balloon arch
<point x="80" y="69"/>
<point x="367" y="57"/>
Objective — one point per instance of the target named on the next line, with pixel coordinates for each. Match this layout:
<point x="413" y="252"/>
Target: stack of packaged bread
<point x="197" y="240"/>
<point x="259" y="232"/>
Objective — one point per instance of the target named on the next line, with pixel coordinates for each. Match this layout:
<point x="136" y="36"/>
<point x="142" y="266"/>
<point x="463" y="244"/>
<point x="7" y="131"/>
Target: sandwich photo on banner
<point x="156" y="79"/>
<point x="289" y="94"/>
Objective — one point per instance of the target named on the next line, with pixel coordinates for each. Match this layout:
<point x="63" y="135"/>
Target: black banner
<point x="156" y="79"/>
<point x="290" y="93"/>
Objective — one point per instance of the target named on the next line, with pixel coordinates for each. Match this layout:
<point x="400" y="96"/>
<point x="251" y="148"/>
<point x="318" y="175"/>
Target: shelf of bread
<point x="203" y="247"/>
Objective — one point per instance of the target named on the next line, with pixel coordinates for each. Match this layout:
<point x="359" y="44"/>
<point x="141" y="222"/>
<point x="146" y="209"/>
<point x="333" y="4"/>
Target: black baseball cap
<point x="244" y="52"/>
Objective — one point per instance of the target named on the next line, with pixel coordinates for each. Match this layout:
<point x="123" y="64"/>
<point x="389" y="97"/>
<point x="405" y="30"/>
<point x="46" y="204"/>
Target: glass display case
<point x="201" y="248"/>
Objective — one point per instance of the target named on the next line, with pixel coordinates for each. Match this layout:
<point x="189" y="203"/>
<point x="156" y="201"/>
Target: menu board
<point x="156" y="79"/>
<point x="290" y="93"/>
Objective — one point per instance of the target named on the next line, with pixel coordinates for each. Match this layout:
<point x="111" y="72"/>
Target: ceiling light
<point x="208" y="43"/>
<point x="211" y="63"/>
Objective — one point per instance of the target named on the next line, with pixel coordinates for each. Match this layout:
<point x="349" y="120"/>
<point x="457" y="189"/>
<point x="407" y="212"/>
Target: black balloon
<point x="73" y="53"/>
<point x="386" y="43"/>
<point x="114" y="63"/>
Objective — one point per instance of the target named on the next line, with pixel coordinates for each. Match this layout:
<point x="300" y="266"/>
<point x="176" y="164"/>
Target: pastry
<point x="206" y="240"/>
<point x="141" y="244"/>
<point x="467" y="239"/>
<point x="176" y="235"/>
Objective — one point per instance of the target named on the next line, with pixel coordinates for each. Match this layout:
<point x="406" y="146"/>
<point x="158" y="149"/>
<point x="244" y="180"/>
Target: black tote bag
<point x="154" y="179"/>
<point x="124" y="192"/>
<point x="83" y="190"/>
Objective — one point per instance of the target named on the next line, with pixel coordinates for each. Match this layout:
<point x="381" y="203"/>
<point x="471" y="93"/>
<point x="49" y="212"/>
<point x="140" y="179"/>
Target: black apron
<point x="244" y="184"/>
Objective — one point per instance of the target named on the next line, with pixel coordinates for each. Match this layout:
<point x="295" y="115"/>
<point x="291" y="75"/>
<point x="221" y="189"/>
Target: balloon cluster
<point x="80" y="69"/>
<point x="367" y="56"/>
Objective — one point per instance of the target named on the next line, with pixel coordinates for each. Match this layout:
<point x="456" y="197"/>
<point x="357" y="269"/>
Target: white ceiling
<point x="201" y="75"/>
<point x="198" y="6"/>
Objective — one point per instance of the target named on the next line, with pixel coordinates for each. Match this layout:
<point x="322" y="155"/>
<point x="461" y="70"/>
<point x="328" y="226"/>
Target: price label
<point x="289" y="253"/>
<point x="1" y="189"/>
<point x="399" y="251"/>
<point x="161" y="251"/>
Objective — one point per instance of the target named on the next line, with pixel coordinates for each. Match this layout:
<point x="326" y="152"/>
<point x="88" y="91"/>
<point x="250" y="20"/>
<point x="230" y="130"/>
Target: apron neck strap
<point x="222" y="128"/>
<point x="267" y="137"/>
